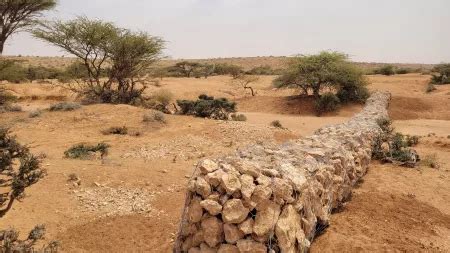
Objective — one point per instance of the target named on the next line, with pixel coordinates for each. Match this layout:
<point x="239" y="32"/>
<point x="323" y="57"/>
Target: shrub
<point x="443" y="74"/>
<point x="73" y="177"/>
<point x="116" y="130"/>
<point x="104" y="48"/>
<point x="412" y="140"/>
<point x="154" y="117"/>
<point x="261" y="70"/>
<point x="64" y="106"/>
<point x="10" y="242"/>
<point x="160" y="100"/>
<point x="228" y="69"/>
<point x="207" y="107"/>
<point x="387" y="70"/>
<point x="394" y="147"/>
<point x="5" y="97"/>
<point x="402" y="71"/>
<point x="19" y="169"/>
<point x="238" y="117"/>
<point x="12" y="108"/>
<point x="431" y="161"/>
<point x="276" y="123"/>
<point x="430" y="88"/>
<point x="84" y="151"/>
<point x="328" y="102"/>
<point x="12" y="72"/>
<point x="35" y="113"/>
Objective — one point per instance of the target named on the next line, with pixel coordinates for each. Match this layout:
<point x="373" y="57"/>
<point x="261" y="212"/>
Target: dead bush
<point x="238" y="117"/>
<point x="431" y="161"/>
<point x="35" y="113"/>
<point x="277" y="124"/>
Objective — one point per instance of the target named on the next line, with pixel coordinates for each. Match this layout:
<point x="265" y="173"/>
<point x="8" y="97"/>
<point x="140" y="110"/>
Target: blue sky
<point x="375" y="31"/>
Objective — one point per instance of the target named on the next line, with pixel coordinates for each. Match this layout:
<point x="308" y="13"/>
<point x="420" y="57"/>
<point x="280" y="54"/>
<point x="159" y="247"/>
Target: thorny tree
<point x="16" y="15"/>
<point x="104" y="48"/>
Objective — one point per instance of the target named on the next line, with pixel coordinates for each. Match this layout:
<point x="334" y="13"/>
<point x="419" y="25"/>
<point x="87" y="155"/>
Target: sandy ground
<point x="395" y="209"/>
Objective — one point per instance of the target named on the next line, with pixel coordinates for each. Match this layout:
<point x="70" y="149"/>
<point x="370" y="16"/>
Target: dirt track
<point x="394" y="209"/>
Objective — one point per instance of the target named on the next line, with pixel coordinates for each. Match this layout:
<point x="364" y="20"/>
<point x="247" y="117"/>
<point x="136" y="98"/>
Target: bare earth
<point x="132" y="200"/>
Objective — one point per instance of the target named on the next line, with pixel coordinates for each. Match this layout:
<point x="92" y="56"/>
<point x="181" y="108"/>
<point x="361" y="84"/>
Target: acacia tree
<point x="245" y="81"/>
<point x="104" y="48"/>
<point x="317" y="72"/>
<point x="16" y="15"/>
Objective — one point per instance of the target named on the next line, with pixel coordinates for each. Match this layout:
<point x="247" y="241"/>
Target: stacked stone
<point x="275" y="198"/>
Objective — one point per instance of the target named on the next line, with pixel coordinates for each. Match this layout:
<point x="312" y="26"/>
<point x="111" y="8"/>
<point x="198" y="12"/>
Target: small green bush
<point x="64" y="106"/>
<point x="84" y="151"/>
<point x="328" y="102"/>
<point x="238" y="117"/>
<point x="441" y="74"/>
<point x="276" y="123"/>
<point x="387" y="70"/>
<point x="412" y="140"/>
<point x="154" y="117"/>
<point x="261" y="70"/>
<point x="402" y="71"/>
<point x="116" y="130"/>
<point x="207" y="107"/>
<point x="12" y="72"/>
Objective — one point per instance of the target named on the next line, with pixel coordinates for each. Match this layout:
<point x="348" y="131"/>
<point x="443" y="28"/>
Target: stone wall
<point x="275" y="198"/>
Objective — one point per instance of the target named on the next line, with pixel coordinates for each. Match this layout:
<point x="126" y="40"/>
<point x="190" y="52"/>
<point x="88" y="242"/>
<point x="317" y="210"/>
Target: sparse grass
<point x="277" y="124"/>
<point x="431" y="161"/>
<point x="154" y="116"/>
<point x="64" y="106"/>
<point x="35" y="113"/>
<point x="10" y="108"/>
<point x="84" y="151"/>
<point x="238" y="117"/>
<point x="116" y="130"/>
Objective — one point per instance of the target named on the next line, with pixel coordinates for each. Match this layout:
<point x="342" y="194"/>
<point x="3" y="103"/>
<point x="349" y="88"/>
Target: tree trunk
<point x="2" y="45"/>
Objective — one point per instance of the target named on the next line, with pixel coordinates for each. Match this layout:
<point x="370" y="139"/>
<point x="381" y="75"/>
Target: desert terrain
<point x="133" y="198"/>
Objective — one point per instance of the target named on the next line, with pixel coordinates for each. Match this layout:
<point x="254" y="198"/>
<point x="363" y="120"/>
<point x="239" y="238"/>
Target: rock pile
<point x="274" y="199"/>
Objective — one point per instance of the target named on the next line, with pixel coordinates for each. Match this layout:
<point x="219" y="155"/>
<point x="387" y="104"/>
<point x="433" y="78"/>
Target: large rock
<point x="247" y="186"/>
<point x="212" y="231"/>
<point x="228" y="248"/>
<point x="266" y="217"/>
<point x="213" y="207"/>
<point x="195" y="211"/>
<point x="214" y="178"/>
<point x="247" y="226"/>
<point x="207" y="166"/>
<point x="261" y="193"/>
<point x="230" y="182"/>
<point x="289" y="230"/>
<point x="232" y="233"/>
<point x="250" y="246"/>
<point x="282" y="191"/>
<point x="234" y="211"/>
<point x="202" y="187"/>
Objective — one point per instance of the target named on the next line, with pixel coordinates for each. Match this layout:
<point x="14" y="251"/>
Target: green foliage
<point x="277" y="124"/>
<point x="104" y="48"/>
<point x="116" y="130"/>
<point x="441" y="74"/>
<point x="207" y="107"/>
<point x="12" y="72"/>
<point x="394" y="147"/>
<point x="387" y="70"/>
<point x="84" y="151"/>
<point x="325" y="70"/>
<point x="64" y="106"/>
<point x="16" y="15"/>
<point x="402" y="71"/>
<point x="262" y="70"/>
<point x="238" y="117"/>
<point x="328" y="102"/>
<point x="5" y="97"/>
<point x="19" y="169"/>
<point x="10" y="242"/>
<point x="228" y="69"/>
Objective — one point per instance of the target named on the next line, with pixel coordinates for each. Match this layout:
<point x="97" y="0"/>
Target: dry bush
<point x="277" y="124"/>
<point x="238" y="117"/>
<point x="154" y="116"/>
<point x="35" y="113"/>
<point x="431" y="161"/>
<point x="116" y="130"/>
<point x="64" y="106"/>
